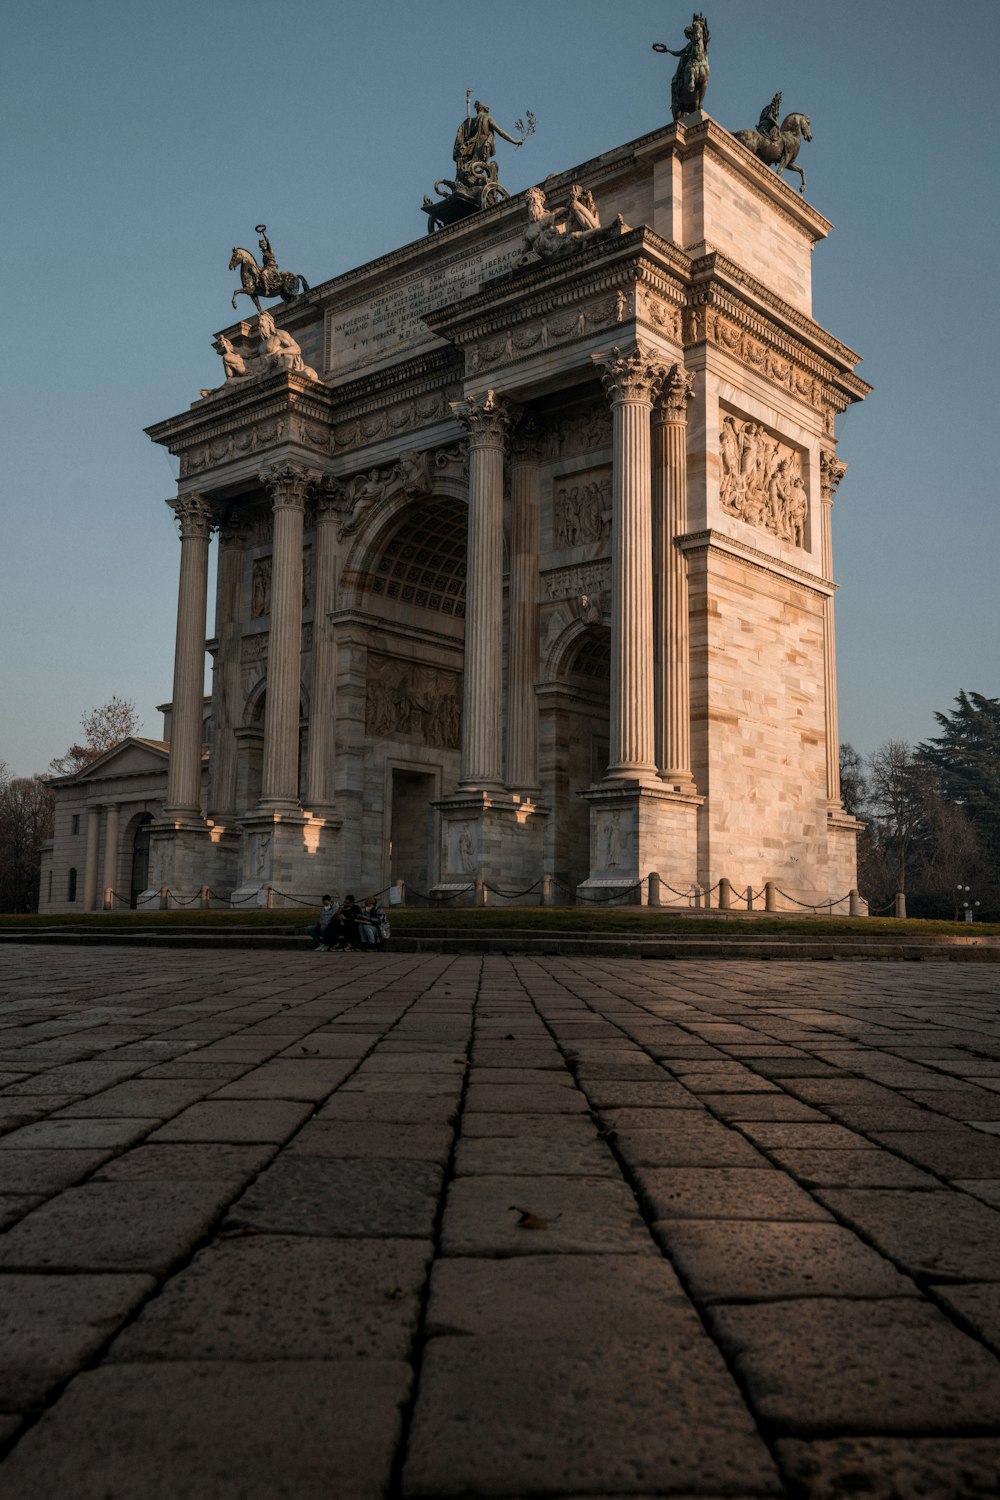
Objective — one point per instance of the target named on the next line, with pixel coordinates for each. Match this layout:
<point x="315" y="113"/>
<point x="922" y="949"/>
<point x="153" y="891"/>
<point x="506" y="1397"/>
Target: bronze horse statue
<point x="690" y="80"/>
<point x="779" y="154"/>
<point x="264" y="281"/>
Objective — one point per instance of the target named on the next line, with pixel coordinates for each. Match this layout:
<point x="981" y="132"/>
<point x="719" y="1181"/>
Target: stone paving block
<point x="855" y="1168"/>
<point x="893" y="1468"/>
<point x="725" y="1193"/>
<point x="738" y="1081"/>
<point x="959" y="1104"/>
<point x="579" y="1127"/>
<point x="137" y="1099"/>
<point x="304" y="1078"/>
<point x="533" y="1156"/>
<point x="389" y="1108"/>
<point x="522" y="1077"/>
<point x="74" y="1078"/>
<point x="320" y="1195"/>
<point x="78" y="1135"/>
<point x="416" y="1062"/>
<point x="22" y="1109"/>
<point x="978" y="1304"/>
<point x="363" y="1139"/>
<point x="205" y="1163"/>
<point x="747" y="1261"/>
<point x="662" y="1093"/>
<point x="762" y="1107"/>
<point x="115" y="1226"/>
<point x="954" y="1151"/>
<point x="50" y="1325"/>
<point x="548" y="1098"/>
<point x="14" y="1207"/>
<point x="516" y="1055"/>
<point x="266" y="1297"/>
<point x="579" y="1214"/>
<point x="869" y="1117"/>
<point x="228" y="1431"/>
<point x="932" y="1234"/>
<point x="820" y="1366"/>
<point x="189" y="1067"/>
<point x="236" y="1121"/>
<point x="772" y="1135"/>
<point x="516" y="1417"/>
<point x="985" y="1188"/>
<point x="45" y="1172"/>
<point x="713" y="1146"/>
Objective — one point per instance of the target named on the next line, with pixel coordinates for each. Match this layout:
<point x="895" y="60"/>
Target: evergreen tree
<point x="966" y="758"/>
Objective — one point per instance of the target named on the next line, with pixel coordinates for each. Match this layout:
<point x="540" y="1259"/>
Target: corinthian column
<point x="831" y="471"/>
<point x="288" y="485"/>
<point x="522" y="660"/>
<point x="670" y="604"/>
<point x="631" y="382"/>
<point x="486" y="420"/>
<point x="322" y="690"/>
<point x="195" y="518"/>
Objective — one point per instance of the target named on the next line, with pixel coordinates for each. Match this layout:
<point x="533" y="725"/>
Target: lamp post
<point x="963" y="898"/>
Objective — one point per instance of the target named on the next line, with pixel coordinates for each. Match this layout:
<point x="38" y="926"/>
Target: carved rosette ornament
<point x="487" y="419"/>
<point x="831" y="471"/>
<point x="195" y="515"/>
<point x="633" y="377"/>
<point x="677" y="390"/>
<point x="289" y="485"/>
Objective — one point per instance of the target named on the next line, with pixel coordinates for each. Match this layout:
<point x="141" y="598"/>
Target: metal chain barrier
<point x="512" y="895"/>
<point x="435" y="899"/>
<point x="817" y="906"/>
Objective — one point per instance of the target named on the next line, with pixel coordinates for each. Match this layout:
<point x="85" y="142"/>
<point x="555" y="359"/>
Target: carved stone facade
<point x="524" y="564"/>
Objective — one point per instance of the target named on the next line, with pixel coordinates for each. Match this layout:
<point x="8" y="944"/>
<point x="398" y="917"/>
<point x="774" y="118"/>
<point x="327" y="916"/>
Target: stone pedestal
<point x="491" y="842"/>
<point x="291" y="853"/>
<point x="182" y="858"/>
<point x="638" y="829"/>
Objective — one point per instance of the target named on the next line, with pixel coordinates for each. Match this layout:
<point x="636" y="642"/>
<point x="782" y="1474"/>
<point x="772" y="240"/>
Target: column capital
<point x="195" y="515"/>
<point x="632" y="376"/>
<point x="288" y="484"/>
<point x="675" y="393"/>
<point x="487" y="419"/>
<point x="831" y="471"/>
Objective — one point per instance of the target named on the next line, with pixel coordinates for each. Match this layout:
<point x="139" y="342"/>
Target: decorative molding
<point x="753" y="557"/>
<point x="585" y="579"/>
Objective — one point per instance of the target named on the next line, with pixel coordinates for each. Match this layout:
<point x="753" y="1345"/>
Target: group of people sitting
<point x="349" y="926"/>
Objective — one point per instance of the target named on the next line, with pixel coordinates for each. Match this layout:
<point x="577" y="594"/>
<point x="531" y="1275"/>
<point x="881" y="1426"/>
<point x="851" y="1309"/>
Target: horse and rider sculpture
<point x="264" y="280"/>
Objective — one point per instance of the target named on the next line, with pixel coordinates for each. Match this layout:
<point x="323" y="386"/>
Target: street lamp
<point x="963" y="895"/>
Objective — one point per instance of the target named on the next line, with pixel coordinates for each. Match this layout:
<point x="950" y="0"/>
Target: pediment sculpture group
<point x="552" y="231"/>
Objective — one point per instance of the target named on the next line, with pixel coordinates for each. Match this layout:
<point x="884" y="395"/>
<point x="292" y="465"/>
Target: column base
<point x="491" y="848"/>
<point x="285" y="859"/>
<point x="638" y="829"/>
<point x="183" y="859"/>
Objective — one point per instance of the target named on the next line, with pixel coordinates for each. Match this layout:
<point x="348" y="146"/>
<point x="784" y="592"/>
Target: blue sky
<point x="140" y="142"/>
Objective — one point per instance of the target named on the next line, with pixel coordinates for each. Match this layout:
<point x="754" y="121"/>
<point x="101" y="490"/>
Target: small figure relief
<point x="591" y="610"/>
<point x="612" y="840"/>
<point x="259" y="852"/>
<point x="475" y="184"/>
<point x="778" y="145"/>
<point x="266" y="280"/>
<point x="260" y="588"/>
<point x="279" y="350"/>
<point x="465" y="849"/>
<point x="582" y="513"/>
<point x="307" y="577"/>
<point x="573" y="583"/>
<point x="415" y="474"/>
<point x="761" y="481"/>
<point x="405" y="701"/>
<point x="552" y="233"/>
<point x="690" y="80"/>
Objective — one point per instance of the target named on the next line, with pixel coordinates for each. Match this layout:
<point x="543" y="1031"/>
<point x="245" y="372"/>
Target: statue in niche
<point x="552" y="233"/>
<point x="761" y="481"/>
<point x="266" y="280"/>
<point x="279" y="350"/>
<point x="612" y="841"/>
<point x="690" y="80"/>
<point x="777" y="146"/>
<point x="261" y="847"/>
<point x="475" y="184"/>
<point x="466" y="852"/>
<point x="260" y="588"/>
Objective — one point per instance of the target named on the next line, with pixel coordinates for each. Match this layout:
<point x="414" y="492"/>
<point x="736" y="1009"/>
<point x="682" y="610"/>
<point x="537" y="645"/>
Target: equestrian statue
<point x="264" y="280"/>
<point x="688" y="85"/>
<point x="777" y="146"/>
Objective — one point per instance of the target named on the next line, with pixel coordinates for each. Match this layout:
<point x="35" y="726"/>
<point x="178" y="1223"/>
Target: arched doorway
<point x="575" y="706"/>
<point x="140" y="860"/>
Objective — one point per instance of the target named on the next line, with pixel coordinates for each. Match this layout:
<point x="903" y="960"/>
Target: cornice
<point x="753" y="557"/>
<point x="240" y="403"/>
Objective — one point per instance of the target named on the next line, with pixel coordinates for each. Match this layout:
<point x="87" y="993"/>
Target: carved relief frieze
<point x="549" y="331"/>
<point x="587" y="580"/>
<point x="761" y="480"/>
<point x="414" y="474"/>
<point x="405" y="700"/>
<point x="253" y="648"/>
<point x="392" y="419"/>
<point x="581" y="508"/>
<point x="230" y="445"/>
<point x="583" y="430"/>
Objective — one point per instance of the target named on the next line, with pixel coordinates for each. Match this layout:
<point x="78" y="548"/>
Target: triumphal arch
<point x="524" y="562"/>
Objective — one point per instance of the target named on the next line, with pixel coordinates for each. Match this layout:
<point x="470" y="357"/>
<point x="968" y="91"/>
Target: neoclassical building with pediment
<point x="524" y="560"/>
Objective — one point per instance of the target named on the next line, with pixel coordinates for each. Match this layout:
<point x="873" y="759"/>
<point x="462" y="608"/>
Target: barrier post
<point x="725" y="894"/>
<point x="900" y="903"/>
<point x="109" y="899"/>
<point x="770" y="896"/>
<point x="269" y="897"/>
<point x="654" y="889"/>
<point x="856" y="907"/>
<point x="205" y="900"/>
<point x="481" y="893"/>
<point x="164" y="898"/>
<point x="548" y="891"/>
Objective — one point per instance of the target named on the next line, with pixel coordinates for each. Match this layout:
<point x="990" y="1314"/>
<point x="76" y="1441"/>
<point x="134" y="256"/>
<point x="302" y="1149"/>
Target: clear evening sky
<point x="142" y="141"/>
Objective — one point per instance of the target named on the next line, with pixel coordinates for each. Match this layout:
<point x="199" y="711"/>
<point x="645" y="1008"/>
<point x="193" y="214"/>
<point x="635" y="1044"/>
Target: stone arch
<point x="579" y="638"/>
<point x="413" y="553"/>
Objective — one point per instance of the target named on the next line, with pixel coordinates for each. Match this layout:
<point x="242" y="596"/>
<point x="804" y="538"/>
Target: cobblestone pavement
<point x="431" y="1226"/>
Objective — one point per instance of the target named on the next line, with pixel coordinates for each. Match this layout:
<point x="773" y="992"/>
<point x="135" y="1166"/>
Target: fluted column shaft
<point x="631" y="381"/>
<point x="522" y="660"/>
<point x="486" y="421"/>
<point x="672" y="657"/>
<point x="111" y="846"/>
<point x="322" y="690"/>
<point x="184" y="774"/>
<point x="90" y="859"/>
<point x="225" y="674"/>
<point x="289" y="485"/>
<point x="831" y="472"/>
